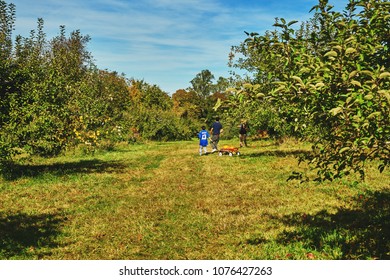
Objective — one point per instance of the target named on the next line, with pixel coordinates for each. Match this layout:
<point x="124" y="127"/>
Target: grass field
<point x="164" y="201"/>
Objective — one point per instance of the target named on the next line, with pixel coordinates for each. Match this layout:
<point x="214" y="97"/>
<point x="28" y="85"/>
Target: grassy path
<point x="164" y="201"/>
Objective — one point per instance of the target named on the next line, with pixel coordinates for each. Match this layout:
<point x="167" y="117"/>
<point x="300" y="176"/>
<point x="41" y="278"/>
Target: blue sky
<point x="164" y="42"/>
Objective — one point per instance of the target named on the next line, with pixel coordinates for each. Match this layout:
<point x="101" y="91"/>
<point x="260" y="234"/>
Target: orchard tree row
<point x="327" y="81"/>
<point x="52" y="96"/>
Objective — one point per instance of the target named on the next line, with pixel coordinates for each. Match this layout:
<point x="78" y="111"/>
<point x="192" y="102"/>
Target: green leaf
<point x="367" y="72"/>
<point x="374" y="115"/>
<point x="320" y="85"/>
<point x="305" y="70"/>
<point x="331" y="54"/>
<point x="292" y="22"/>
<point x="255" y="87"/>
<point x="353" y="74"/>
<point x="350" y="50"/>
<point x="350" y="39"/>
<point x="342" y="150"/>
<point x="282" y="87"/>
<point x="356" y="83"/>
<point x="299" y="80"/>
<point x="339" y="48"/>
<point x="260" y="95"/>
<point x="384" y="75"/>
<point x="386" y="94"/>
<point x="368" y="97"/>
<point x="247" y="85"/>
<point x="231" y="89"/>
<point x="217" y="104"/>
<point x="336" y="110"/>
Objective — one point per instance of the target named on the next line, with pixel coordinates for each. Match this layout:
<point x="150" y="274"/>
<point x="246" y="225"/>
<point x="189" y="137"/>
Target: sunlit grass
<point x="164" y="201"/>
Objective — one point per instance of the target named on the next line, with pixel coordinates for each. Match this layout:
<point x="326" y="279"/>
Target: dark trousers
<point x="214" y="141"/>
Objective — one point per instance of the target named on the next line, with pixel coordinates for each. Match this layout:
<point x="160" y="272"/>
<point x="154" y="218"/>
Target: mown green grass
<point x="164" y="201"/>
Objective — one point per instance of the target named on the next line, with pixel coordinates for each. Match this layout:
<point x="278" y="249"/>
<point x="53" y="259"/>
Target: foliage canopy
<point x="329" y="83"/>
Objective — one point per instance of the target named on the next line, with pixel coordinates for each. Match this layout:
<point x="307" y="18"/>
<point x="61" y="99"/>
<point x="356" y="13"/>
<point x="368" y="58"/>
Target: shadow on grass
<point x="14" y="171"/>
<point x="24" y="236"/>
<point x="277" y="153"/>
<point x="362" y="233"/>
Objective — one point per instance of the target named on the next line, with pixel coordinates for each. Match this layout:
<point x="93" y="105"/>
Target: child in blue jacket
<point x="203" y="136"/>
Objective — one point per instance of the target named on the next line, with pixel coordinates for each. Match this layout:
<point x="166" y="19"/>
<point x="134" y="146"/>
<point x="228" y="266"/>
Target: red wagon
<point x="229" y="150"/>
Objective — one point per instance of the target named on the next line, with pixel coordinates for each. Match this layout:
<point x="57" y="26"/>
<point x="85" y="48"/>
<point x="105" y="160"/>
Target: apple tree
<point x="331" y="78"/>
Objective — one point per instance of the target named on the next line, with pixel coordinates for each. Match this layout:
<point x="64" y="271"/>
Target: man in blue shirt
<point x="216" y="130"/>
<point x="203" y="142"/>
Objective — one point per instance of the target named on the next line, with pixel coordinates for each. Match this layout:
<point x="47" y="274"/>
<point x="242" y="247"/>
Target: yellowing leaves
<point x="331" y="54"/>
<point x="260" y="95"/>
<point x="349" y="51"/>
<point x="336" y="111"/>
<point x="319" y="85"/>
<point x="356" y="83"/>
<point x="369" y="97"/>
<point x="385" y="93"/>
<point x="374" y="115"/>
<point x="299" y="80"/>
<point x="343" y="150"/>
<point x="384" y="75"/>
<point x="338" y="47"/>
<point x="217" y="104"/>
<point x="353" y="74"/>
